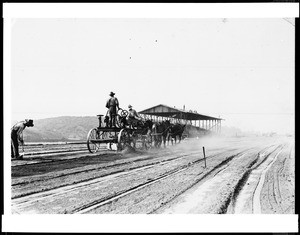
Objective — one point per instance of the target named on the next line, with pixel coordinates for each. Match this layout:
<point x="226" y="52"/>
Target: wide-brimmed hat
<point x="29" y="122"/>
<point x="111" y="93"/>
<point x="129" y="106"/>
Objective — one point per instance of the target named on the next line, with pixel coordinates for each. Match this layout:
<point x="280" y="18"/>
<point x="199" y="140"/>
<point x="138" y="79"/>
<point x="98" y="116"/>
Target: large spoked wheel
<point x="121" y="121"/>
<point x="124" y="139"/>
<point x="91" y="137"/>
<point x="123" y="112"/>
<point x="94" y="138"/>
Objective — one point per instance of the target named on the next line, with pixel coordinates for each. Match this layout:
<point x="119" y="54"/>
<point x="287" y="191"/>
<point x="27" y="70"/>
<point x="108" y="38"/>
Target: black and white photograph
<point x="150" y="115"/>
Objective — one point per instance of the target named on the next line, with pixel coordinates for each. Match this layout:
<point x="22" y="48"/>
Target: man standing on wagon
<point x="17" y="135"/>
<point x="112" y="104"/>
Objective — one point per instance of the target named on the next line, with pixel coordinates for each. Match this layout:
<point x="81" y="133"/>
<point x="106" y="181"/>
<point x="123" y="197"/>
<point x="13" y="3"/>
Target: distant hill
<point x="64" y="128"/>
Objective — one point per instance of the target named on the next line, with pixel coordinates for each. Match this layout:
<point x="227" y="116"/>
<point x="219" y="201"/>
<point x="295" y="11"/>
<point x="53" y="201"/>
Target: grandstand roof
<point x="167" y="111"/>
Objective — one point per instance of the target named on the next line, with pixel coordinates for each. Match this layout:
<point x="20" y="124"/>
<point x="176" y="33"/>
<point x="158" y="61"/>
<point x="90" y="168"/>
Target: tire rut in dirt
<point x="232" y="201"/>
<point x="165" y="176"/>
<point x="97" y="169"/>
<point x="106" y="161"/>
<point x="198" y="160"/>
<point x="218" y="169"/>
<point x="99" y="174"/>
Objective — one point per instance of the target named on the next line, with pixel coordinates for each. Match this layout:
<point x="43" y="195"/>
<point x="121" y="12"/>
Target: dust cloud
<point x="208" y="142"/>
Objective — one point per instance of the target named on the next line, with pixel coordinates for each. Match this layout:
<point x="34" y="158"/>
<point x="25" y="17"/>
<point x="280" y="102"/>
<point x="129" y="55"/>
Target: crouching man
<point x="17" y="135"/>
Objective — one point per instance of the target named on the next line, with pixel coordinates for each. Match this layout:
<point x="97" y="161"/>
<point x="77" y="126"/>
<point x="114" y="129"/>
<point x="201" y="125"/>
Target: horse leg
<point x="160" y="141"/>
<point x="167" y="139"/>
<point x="157" y="142"/>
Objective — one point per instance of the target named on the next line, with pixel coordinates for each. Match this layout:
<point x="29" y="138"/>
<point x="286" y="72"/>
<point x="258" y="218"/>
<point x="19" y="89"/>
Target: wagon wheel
<point x="93" y="138"/>
<point x="124" y="139"/>
<point x="119" y="121"/>
<point x="123" y="113"/>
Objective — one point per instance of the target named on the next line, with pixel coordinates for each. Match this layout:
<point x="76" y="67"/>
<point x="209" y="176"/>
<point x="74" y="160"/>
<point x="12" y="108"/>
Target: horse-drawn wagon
<point x="124" y="134"/>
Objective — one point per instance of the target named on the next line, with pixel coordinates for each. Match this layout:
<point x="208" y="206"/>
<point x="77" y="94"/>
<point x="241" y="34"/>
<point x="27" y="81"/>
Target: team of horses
<point x="161" y="132"/>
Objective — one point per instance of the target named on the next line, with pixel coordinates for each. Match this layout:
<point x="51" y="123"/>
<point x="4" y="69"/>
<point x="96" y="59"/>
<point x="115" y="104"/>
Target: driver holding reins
<point x="132" y="116"/>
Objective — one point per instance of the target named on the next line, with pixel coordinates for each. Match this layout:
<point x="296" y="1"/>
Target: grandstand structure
<point x="194" y="121"/>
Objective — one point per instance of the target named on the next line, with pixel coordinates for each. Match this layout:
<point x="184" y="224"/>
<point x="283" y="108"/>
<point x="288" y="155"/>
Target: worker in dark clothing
<point x="132" y="116"/>
<point x="17" y="135"/>
<point x="113" y="106"/>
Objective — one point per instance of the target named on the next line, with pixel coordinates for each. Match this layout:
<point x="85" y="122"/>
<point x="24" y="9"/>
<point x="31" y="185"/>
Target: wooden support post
<point x="204" y="157"/>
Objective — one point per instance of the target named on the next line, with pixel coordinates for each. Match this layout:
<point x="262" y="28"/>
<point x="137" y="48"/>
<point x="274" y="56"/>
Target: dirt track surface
<point x="242" y="175"/>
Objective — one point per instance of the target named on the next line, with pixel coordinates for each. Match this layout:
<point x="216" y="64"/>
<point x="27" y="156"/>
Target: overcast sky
<point x="239" y="69"/>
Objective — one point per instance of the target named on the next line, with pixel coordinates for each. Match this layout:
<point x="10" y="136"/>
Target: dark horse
<point x="145" y="126"/>
<point x="174" y="131"/>
<point x="160" y="132"/>
<point x="142" y="129"/>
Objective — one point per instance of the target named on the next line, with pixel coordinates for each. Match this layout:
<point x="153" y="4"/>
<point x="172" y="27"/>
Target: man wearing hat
<point x="112" y="104"/>
<point x="17" y="135"/>
<point x="132" y="116"/>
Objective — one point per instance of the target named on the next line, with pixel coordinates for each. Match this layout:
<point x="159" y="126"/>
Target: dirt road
<point x="242" y="175"/>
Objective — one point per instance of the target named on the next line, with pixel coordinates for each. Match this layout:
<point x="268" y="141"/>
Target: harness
<point x="163" y="131"/>
<point x="177" y="131"/>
